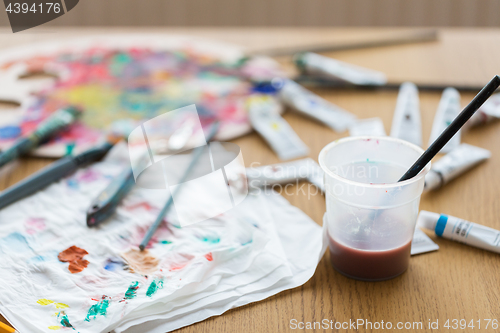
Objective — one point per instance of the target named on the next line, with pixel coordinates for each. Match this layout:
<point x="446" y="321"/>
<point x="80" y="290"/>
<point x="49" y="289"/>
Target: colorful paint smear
<point x="154" y="287"/>
<point x="99" y="309"/>
<point x="61" y="316"/>
<point x="74" y="255"/>
<point x="132" y="290"/>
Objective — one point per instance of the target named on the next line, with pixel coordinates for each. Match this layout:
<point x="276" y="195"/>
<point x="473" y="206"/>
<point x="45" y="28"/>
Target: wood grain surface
<point x="456" y="282"/>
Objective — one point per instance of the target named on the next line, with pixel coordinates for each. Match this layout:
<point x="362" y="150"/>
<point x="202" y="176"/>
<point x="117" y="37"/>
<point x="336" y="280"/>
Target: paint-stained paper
<point x="59" y="274"/>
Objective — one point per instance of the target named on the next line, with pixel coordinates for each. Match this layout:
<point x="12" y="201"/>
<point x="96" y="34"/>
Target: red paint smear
<point x="209" y="256"/>
<point x="74" y="255"/>
<point x="176" y="267"/>
<point x="145" y="205"/>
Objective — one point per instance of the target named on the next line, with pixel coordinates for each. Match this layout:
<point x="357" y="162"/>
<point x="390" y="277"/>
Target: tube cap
<point x="427" y="220"/>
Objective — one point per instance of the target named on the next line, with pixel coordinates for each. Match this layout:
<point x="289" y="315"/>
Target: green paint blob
<point x="132" y="290"/>
<point x="166" y="242"/>
<point x="153" y="287"/>
<point x="211" y="240"/>
<point x="99" y="309"/>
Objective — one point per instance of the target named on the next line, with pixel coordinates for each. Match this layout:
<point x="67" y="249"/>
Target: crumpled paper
<point x="259" y="248"/>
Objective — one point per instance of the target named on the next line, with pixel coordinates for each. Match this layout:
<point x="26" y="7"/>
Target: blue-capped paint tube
<point x="462" y="231"/>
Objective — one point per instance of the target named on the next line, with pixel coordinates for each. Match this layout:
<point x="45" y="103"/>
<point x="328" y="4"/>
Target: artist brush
<point x="452" y="129"/>
<point x="54" y="172"/>
<point x="320" y="82"/>
<point x="57" y="121"/>
<point x="196" y="154"/>
<point x="398" y="39"/>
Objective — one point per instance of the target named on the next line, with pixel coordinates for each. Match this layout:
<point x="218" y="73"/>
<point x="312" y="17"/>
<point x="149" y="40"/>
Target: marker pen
<point x="459" y="230"/>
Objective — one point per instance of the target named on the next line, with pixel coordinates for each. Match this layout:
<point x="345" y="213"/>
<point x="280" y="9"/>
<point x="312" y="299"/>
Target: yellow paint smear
<point x="61" y="306"/>
<point x="55" y="328"/>
<point x="44" y="301"/>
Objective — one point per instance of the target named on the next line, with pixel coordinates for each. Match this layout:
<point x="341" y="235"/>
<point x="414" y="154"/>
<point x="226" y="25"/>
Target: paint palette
<point x="121" y="80"/>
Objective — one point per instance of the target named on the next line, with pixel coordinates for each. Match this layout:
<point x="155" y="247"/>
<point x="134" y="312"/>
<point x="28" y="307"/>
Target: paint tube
<point x="315" y="64"/>
<point x="286" y="173"/>
<point x="489" y="111"/>
<point x="421" y="243"/>
<point x="448" y="109"/>
<point x="462" y="231"/>
<point x="453" y="164"/>
<point x="308" y="104"/>
<point x="367" y="127"/>
<point x="406" y="124"/>
<point x="265" y="118"/>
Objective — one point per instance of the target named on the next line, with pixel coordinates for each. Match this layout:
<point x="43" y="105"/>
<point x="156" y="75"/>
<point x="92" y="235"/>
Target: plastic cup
<point x="370" y="216"/>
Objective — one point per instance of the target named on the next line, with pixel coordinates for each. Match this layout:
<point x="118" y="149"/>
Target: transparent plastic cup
<point x="370" y="216"/>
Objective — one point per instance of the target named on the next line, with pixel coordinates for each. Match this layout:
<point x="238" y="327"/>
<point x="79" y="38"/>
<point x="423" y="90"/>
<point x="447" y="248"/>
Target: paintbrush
<point x="54" y="171"/>
<point x="453" y="128"/>
<point x="321" y="82"/>
<point x="395" y="39"/>
<point x="45" y="130"/>
<point x="107" y="201"/>
<point x="196" y="154"/>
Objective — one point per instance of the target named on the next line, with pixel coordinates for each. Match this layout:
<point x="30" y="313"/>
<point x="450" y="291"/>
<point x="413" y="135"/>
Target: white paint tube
<point x="448" y="109"/>
<point x="308" y="104"/>
<point x="406" y="123"/>
<point x="488" y="112"/>
<point x="367" y="127"/>
<point x="421" y="243"/>
<point x="315" y="64"/>
<point x="286" y="173"/>
<point x="264" y="116"/>
<point x="453" y="164"/>
<point x="461" y="231"/>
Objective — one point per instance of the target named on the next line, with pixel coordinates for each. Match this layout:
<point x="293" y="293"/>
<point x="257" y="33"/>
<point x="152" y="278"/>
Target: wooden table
<point x="457" y="282"/>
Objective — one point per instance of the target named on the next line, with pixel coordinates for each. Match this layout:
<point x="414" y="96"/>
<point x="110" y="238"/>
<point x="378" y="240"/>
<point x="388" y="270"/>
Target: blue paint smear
<point x="10" y="132"/>
<point x="15" y="242"/>
<point x="113" y="265"/>
<point x="72" y="183"/>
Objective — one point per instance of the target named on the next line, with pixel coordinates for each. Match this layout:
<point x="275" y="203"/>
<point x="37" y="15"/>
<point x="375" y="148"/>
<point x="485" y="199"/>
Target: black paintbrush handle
<point x="38" y="181"/>
<point x="453" y="128"/>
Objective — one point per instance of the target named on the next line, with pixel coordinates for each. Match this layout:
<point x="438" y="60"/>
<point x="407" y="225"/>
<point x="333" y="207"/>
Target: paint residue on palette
<point x="149" y="83"/>
<point x="154" y="287"/>
<point x="132" y="290"/>
<point x="140" y="261"/>
<point x="209" y="256"/>
<point x="98" y="309"/>
<point x="74" y="256"/>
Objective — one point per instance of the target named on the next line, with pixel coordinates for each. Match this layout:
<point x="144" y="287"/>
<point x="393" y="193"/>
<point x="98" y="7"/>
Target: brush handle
<point x="39" y="180"/>
<point x="453" y="128"/>
<point x="51" y="173"/>
<point x="195" y="156"/>
<point x="107" y="201"/>
<point x="45" y="130"/>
